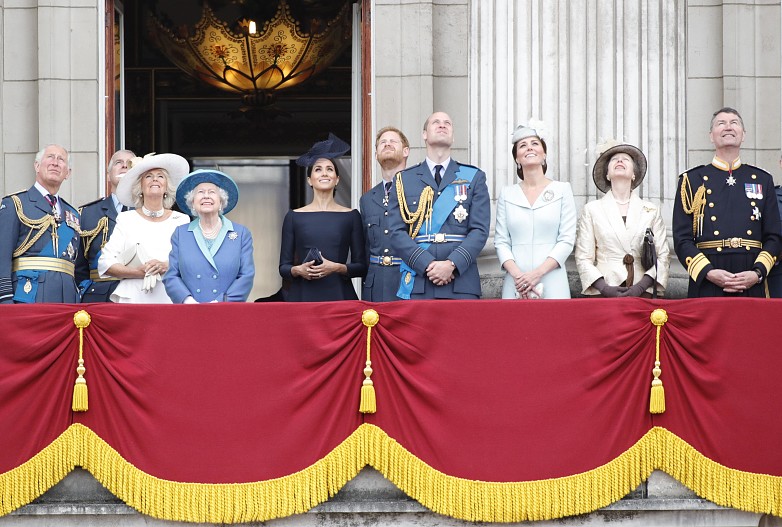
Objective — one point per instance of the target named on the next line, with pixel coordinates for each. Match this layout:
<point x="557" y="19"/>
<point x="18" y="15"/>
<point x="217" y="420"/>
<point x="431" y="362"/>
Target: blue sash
<point x="440" y="211"/>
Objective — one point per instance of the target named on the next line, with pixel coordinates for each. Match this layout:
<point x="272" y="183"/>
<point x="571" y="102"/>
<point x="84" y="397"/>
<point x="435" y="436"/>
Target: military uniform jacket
<point x="382" y="281"/>
<point x="33" y="232"/>
<point x="463" y="253"/>
<point x="725" y="217"/>
<point x="95" y="233"/>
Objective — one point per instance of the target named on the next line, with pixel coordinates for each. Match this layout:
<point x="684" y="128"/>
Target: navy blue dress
<point x="338" y="236"/>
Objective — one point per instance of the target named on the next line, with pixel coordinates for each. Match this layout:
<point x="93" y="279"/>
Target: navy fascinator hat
<point x="328" y="149"/>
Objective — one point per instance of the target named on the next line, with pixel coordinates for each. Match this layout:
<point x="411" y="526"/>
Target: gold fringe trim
<point x="368" y="404"/>
<point x="21" y="485"/>
<point x="460" y="498"/>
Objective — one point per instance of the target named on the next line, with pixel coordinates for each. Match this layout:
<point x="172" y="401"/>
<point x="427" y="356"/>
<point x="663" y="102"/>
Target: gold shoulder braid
<point x="423" y="212"/>
<point x="38" y="226"/>
<point x="694" y="204"/>
<point x="89" y="236"/>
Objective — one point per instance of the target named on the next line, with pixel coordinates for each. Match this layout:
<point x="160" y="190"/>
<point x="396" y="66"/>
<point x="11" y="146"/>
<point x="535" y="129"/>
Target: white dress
<point x="155" y="239"/>
<point x="530" y="233"/>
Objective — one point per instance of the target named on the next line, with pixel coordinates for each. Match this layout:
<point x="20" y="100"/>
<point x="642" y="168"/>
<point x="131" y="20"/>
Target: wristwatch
<point x="760" y="275"/>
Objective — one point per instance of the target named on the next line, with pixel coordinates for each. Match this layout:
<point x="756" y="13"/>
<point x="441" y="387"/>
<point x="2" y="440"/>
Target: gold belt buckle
<point x="735" y="243"/>
<point x="439" y="237"/>
<point x="386" y="260"/>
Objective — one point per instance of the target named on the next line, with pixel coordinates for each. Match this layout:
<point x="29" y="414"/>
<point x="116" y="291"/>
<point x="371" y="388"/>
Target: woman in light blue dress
<point x="536" y="224"/>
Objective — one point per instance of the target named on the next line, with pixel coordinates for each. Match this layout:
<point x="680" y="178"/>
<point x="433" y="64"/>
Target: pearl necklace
<point x="152" y="213"/>
<point x="212" y="233"/>
<point x="621" y="202"/>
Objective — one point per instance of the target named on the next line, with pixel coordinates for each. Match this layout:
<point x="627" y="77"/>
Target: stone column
<point x="49" y="91"/>
<point x="592" y="70"/>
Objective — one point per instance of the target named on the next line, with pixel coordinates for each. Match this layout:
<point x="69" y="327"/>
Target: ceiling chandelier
<point x="255" y="63"/>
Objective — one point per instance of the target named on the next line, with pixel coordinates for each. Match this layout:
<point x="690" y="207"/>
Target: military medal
<point x="408" y="277"/>
<point x="461" y="193"/>
<point x="28" y="287"/>
<point x="753" y="190"/>
<point x="548" y="195"/>
<point x="756" y="213"/>
<point x="460" y="213"/>
<point x="232" y="235"/>
<point x="70" y="220"/>
<point x="731" y="180"/>
<point x="71" y="251"/>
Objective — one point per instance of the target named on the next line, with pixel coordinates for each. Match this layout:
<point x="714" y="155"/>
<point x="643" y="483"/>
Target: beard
<point x="389" y="159"/>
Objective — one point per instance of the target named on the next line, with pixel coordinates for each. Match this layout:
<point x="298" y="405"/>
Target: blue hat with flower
<point x="219" y="179"/>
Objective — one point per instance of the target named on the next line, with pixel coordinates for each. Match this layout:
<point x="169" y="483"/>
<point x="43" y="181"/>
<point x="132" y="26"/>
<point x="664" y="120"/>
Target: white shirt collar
<point x="431" y="164"/>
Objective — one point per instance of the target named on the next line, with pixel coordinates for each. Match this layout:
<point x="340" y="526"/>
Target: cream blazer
<point x="603" y="239"/>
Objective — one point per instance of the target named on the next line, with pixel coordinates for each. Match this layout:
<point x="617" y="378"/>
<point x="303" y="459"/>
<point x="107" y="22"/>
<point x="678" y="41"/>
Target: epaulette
<point x="15" y="193"/>
<point x="91" y="203"/>
<point x="692" y="169"/>
<point x="467" y="165"/>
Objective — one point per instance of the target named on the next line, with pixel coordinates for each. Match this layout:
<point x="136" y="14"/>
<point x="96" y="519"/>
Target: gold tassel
<point x="368" y="402"/>
<point x="657" y="396"/>
<point x="80" y="396"/>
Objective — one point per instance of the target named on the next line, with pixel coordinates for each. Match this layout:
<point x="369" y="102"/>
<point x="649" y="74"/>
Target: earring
<point x="633" y="178"/>
<point x="165" y="194"/>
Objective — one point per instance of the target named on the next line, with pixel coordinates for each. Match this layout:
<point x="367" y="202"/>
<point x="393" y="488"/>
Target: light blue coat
<point x="225" y="273"/>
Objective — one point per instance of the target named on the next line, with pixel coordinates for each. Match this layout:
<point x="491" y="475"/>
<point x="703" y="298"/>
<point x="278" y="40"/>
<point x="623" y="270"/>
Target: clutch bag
<point x="314" y="254"/>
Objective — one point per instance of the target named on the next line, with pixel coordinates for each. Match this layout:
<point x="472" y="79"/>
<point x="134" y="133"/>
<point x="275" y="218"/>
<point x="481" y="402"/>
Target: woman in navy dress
<point x="323" y="242"/>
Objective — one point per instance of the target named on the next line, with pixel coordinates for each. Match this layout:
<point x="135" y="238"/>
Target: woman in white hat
<point x="536" y="223"/>
<point x="138" y="249"/>
<point x="612" y="229"/>
<point x="211" y="258"/>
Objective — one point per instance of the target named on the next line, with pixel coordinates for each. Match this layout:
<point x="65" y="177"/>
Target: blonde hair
<point x="169" y="197"/>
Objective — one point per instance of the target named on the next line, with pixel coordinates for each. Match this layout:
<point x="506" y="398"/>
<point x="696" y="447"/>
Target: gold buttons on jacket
<point x="716" y="233"/>
<point x="749" y="233"/>
<point x="714" y="218"/>
<point x="708" y="191"/>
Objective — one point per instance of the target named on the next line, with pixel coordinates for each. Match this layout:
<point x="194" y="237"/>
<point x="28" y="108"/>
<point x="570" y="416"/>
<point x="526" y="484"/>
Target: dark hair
<point x="519" y="171"/>
<point x="336" y="168"/>
<point x="726" y="109"/>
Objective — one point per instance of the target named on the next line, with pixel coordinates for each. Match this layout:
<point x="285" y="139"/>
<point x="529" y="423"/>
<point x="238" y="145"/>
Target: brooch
<point x="548" y="195"/>
<point x="232" y="235"/>
<point x="460" y="213"/>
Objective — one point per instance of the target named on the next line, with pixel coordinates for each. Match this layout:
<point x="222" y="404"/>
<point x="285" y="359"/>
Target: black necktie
<point x="437" y="177"/>
<point x="124" y="208"/>
<point x="52" y="201"/>
<point x="387" y="185"/>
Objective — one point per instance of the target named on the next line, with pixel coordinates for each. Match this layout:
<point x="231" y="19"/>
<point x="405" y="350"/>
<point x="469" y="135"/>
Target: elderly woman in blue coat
<point x="211" y="258"/>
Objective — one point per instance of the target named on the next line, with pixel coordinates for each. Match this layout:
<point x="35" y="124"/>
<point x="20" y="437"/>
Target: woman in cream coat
<point x="536" y="224"/>
<point x="611" y="230"/>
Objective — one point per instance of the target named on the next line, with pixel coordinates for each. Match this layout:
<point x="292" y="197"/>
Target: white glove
<point x="190" y="300"/>
<point x="150" y="281"/>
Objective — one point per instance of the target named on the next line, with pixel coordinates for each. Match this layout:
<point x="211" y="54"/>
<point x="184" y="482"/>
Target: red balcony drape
<point x="486" y="410"/>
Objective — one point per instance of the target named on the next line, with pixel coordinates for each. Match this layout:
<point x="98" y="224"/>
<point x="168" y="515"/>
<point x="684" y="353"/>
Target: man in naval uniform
<point x="39" y="236"/>
<point x="97" y="223"/>
<point x="439" y="214"/>
<point x="382" y="280"/>
<point x="726" y="224"/>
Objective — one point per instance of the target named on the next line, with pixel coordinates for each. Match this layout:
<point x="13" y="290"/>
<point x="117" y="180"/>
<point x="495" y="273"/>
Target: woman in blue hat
<point x="323" y="242"/>
<point x="211" y="259"/>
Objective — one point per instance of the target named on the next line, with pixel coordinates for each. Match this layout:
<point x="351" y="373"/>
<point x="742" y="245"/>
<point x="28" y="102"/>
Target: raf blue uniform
<point x="37" y="249"/>
<point x="98" y="219"/>
<point x="223" y="273"/>
<point x="726" y="217"/>
<point x="458" y="241"/>
<point x="382" y="280"/>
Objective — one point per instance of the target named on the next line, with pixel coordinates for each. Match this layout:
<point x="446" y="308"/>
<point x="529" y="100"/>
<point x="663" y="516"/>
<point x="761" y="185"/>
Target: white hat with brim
<point x="176" y="166"/>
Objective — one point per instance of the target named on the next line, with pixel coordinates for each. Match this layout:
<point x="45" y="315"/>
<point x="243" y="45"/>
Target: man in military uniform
<point x="97" y="223"/>
<point x="39" y="236"/>
<point x="439" y="214"/>
<point x="726" y="224"/>
<point x="382" y="280"/>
